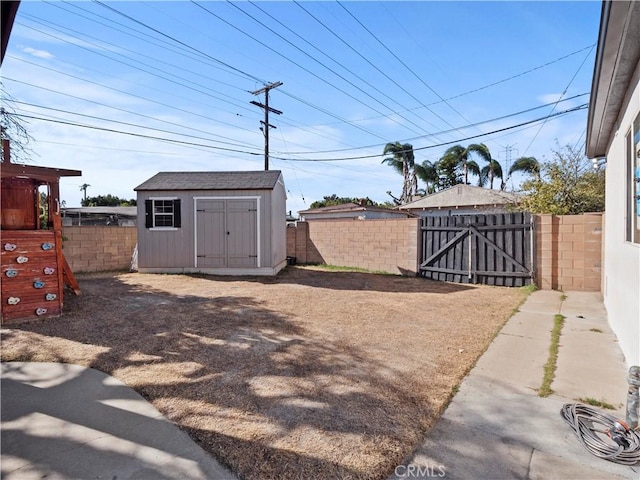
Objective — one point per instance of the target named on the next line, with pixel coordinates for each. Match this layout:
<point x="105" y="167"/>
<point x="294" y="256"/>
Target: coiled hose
<point x="614" y="441"/>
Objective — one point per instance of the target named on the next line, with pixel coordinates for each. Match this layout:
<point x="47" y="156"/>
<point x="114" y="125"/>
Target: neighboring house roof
<point x="462" y="196"/>
<point x="260" y="180"/>
<point x="349" y="207"/>
<point x="123" y="211"/>
<point x="616" y="60"/>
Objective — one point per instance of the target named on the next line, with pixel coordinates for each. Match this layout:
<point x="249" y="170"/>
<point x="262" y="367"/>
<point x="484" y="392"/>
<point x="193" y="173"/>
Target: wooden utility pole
<point x="265" y="124"/>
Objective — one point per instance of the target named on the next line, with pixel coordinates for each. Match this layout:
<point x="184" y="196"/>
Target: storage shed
<point x="223" y="223"/>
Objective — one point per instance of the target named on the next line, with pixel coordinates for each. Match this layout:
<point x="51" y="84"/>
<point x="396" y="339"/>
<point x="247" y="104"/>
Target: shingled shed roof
<point x="260" y="180"/>
<point x="462" y="195"/>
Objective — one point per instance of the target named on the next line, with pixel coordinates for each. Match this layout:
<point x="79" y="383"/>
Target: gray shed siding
<point x="175" y="250"/>
<point x="279" y="223"/>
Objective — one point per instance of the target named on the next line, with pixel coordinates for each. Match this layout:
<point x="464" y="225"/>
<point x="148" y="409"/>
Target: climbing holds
<point x="47" y="246"/>
<point x="22" y="259"/>
<point x="38" y="284"/>
<point x="10" y="247"/>
<point x="13" y="300"/>
<point x="41" y="311"/>
<point x="11" y="272"/>
<point x="49" y="270"/>
<point x="50" y="296"/>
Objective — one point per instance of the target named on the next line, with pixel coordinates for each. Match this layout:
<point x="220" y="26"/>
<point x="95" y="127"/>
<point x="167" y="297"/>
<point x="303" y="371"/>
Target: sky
<point x="123" y="90"/>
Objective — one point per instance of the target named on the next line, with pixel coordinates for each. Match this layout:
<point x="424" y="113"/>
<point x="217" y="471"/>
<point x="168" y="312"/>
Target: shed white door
<point x="226" y="233"/>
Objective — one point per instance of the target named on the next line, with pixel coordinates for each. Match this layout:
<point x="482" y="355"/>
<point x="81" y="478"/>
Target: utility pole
<point x="266" y="125"/>
<point x="507" y="154"/>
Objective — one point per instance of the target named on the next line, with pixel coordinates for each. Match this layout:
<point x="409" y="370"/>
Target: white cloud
<point x="550" y="97"/>
<point x="38" y="53"/>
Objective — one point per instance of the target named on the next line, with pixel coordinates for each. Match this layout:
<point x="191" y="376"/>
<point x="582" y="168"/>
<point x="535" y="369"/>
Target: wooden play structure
<point x="34" y="270"/>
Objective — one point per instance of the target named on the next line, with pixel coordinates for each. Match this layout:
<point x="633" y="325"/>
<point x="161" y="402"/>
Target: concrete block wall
<point x="95" y="249"/>
<point x="388" y="245"/>
<point x="569" y="252"/>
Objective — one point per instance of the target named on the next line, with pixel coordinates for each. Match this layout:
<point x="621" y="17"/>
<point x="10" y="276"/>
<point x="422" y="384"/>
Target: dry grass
<point x="311" y="374"/>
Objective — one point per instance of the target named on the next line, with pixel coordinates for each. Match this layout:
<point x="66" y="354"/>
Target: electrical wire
<point x="110" y="130"/>
<point x="373" y="87"/>
<point x="563" y="94"/>
<point x="305" y="69"/>
<point x="602" y="434"/>
<point x="450" y="130"/>
<point x="190" y="47"/>
<point x="446" y="102"/>
<point x="547" y="117"/>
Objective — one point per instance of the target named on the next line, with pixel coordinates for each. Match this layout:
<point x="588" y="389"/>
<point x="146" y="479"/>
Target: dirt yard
<point x="311" y="374"/>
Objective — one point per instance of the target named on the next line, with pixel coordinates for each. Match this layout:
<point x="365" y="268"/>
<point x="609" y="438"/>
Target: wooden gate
<point x="494" y="249"/>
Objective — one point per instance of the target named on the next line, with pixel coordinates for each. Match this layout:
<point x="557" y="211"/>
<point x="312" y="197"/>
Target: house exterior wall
<point x="96" y="249"/>
<point x="174" y="251"/>
<point x="621" y="283"/>
<point x="388" y="245"/>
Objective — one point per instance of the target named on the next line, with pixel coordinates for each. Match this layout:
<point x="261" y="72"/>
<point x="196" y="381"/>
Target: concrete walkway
<point x="63" y="421"/>
<point x="496" y="427"/>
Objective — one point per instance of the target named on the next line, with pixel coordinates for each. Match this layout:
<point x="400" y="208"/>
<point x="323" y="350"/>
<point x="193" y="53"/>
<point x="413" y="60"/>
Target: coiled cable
<point x="613" y="441"/>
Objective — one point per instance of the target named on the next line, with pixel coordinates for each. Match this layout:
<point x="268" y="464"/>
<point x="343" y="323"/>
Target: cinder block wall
<point x="95" y="249"/>
<point x="388" y="245"/>
<point x="569" y="252"/>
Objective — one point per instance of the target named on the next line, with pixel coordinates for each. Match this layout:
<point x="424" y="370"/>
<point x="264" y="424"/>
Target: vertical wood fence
<point x="492" y="249"/>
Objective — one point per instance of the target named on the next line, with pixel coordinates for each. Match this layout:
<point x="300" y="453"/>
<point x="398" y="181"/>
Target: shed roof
<point x="462" y="195"/>
<point x="259" y="180"/>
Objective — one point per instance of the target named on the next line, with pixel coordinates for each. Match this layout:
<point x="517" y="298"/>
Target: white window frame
<point x="153" y="215"/>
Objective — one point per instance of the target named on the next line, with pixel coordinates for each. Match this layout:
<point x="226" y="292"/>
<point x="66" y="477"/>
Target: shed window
<point x="162" y="213"/>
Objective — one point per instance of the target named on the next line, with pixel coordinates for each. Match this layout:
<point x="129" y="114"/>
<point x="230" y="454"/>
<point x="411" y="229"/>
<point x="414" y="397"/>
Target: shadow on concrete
<point x="80" y="423"/>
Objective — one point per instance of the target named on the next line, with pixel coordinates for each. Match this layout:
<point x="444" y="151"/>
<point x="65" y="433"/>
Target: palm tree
<point x="489" y="172"/>
<point x="403" y="161"/>
<point x="83" y="188"/>
<point x="461" y="156"/>
<point x="528" y="165"/>
<point x="428" y="173"/>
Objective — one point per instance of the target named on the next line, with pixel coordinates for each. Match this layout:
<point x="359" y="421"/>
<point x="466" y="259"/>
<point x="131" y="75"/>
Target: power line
<point x="121" y="110"/>
<point x="93" y="127"/>
<point x="451" y="130"/>
<point x="190" y="47"/>
<point x="287" y="58"/>
<point x="171" y="75"/>
<point x="166" y="45"/>
<point x="553" y="115"/>
<point x="558" y="101"/>
<point x="94" y="117"/>
<point x="110" y="130"/>
<point x="132" y="94"/>
<point x="329" y="68"/>
<point x="409" y="69"/>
